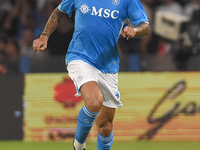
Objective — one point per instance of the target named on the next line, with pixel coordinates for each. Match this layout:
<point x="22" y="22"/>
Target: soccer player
<point x="92" y="59"/>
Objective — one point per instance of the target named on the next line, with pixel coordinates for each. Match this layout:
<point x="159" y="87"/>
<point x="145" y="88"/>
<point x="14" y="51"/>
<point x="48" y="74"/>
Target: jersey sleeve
<point x="66" y="6"/>
<point x="136" y="12"/>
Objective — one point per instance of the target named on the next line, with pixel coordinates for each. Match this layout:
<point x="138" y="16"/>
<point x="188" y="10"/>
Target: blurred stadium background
<point x="37" y="106"/>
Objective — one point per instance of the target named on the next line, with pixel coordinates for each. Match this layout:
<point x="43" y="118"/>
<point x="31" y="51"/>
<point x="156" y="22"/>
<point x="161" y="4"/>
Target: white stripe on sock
<point x="104" y="138"/>
<point x="88" y="113"/>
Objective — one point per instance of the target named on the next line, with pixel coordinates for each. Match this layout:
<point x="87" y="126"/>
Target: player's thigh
<point x="104" y="120"/>
<point x="81" y="72"/>
<point x="92" y="95"/>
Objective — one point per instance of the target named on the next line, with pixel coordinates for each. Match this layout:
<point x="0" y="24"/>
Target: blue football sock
<point x="85" y="122"/>
<point x="104" y="142"/>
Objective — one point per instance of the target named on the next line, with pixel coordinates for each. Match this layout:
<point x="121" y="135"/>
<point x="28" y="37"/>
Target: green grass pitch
<point x="142" y="145"/>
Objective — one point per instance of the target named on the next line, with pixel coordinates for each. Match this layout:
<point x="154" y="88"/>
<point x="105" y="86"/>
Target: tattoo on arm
<point x="53" y="22"/>
<point x="142" y="29"/>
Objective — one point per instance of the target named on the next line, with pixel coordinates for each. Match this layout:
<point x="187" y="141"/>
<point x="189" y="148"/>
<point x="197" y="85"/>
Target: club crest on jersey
<point x="115" y="2"/>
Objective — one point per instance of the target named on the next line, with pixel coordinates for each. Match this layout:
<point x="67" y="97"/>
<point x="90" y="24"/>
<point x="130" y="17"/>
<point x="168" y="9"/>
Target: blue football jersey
<point x="97" y="30"/>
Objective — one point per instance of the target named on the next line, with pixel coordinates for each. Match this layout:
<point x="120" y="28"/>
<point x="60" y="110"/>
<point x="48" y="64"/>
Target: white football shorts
<point x="81" y="72"/>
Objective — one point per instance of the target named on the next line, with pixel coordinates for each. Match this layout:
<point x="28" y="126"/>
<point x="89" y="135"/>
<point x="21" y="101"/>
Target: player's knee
<point x="105" y="129"/>
<point x="95" y="102"/>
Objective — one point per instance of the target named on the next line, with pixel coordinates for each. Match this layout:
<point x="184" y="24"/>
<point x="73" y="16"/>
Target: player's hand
<point x="40" y="44"/>
<point x="128" y="32"/>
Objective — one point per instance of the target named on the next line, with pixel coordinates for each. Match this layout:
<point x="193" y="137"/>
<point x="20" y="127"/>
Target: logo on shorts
<point x="79" y="78"/>
<point x="115" y="2"/>
<point x="117" y="94"/>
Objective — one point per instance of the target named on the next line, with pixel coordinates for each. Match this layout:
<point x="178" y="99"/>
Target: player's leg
<point x="93" y="98"/>
<point x="85" y="81"/>
<point x="104" y="122"/>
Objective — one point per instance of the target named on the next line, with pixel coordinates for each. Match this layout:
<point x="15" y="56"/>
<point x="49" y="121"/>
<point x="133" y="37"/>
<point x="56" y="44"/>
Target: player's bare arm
<point x="140" y="30"/>
<point x="40" y="44"/>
